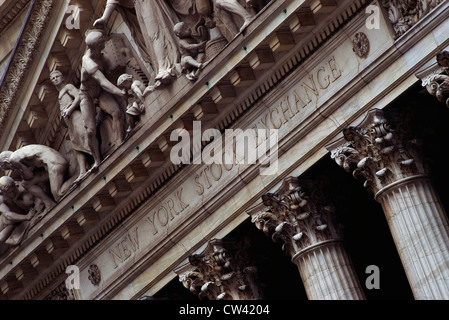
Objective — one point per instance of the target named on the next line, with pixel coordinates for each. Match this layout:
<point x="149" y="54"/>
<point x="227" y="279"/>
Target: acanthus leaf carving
<point x="404" y="14"/>
<point x="377" y="153"/>
<point x="297" y="218"/>
<point x="221" y="272"/>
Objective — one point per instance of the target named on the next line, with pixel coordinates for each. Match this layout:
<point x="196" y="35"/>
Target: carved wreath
<point x="94" y="274"/>
<point x="361" y="45"/>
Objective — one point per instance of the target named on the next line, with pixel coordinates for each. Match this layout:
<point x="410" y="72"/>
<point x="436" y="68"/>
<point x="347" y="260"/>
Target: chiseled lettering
<point x="287" y="109"/>
<point x="323" y="85"/>
<point x="125" y="248"/>
<point x="336" y="73"/>
<point x="298" y="100"/>
<point x="200" y="191"/>
<point x="217" y="173"/>
<point x="312" y="88"/>
<point x="134" y="240"/>
<point x="264" y="121"/>
<point x="171" y="208"/>
<point x="126" y="252"/>
<point x="181" y="203"/>
<point x="150" y="219"/>
<point x="164" y="221"/>
<point x="116" y="254"/>
<point x="273" y="121"/>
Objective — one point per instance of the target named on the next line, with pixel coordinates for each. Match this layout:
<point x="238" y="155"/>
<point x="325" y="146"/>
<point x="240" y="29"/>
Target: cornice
<point x="280" y="72"/>
<point x="22" y="57"/>
<point x="9" y="10"/>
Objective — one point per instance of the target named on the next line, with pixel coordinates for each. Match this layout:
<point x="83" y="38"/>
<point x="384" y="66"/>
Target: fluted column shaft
<point x="390" y="161"/>
<point x="327" y="272"/>
<point x="420" y="229"/>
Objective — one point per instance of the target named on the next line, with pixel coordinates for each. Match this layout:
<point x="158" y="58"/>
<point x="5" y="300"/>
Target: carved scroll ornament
<point x="220" y="272"/>
<point x="404" y="14"/>
<point x="296" y="218"/>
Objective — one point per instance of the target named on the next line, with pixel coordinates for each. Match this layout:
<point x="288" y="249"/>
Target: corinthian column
<point x="390" y="164"/>
<point x="311" y="237"/>
<point x="221" y="272"/>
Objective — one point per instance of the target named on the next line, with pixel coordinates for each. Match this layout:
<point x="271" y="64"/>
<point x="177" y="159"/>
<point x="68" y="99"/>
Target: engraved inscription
<point x="167" y="211"/>
<point x="125" y="248"/>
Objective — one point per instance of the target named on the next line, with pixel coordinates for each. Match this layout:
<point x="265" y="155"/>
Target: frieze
<point x="202" y="186"/>
<point x="312" y="88"/>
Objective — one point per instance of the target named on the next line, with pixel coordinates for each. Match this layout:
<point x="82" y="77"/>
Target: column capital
<point x="299" y="218"/>
<point x="378" y="151"/>
<point x="435" y="77"/>
<point x="221" y="272"/>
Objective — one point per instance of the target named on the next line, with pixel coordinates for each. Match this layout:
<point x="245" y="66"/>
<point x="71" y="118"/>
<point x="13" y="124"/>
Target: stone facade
<point x="112" y="187"/>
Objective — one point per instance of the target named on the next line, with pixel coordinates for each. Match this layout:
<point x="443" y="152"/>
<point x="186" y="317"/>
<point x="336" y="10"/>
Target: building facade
<point x="224" y="150"/>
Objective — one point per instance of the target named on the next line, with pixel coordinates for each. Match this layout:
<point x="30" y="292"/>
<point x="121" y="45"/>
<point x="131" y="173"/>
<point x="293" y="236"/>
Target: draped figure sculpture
<point x="69" y="100"/>
<point x="156" y="21"/>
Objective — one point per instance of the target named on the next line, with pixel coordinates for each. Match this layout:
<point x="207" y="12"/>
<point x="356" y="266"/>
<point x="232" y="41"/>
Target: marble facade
<point x="341" y="82"/>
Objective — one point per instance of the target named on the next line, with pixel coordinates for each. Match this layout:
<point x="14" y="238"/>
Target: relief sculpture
<point x="97" y="89"/>
<point x="69" y="100"/>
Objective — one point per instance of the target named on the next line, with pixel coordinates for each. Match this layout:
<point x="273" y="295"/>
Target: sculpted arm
<point x="73" y="92"/>
<point x="91" y="69"/>
<point x="26" y="172"/>
<point x="11" y="216"/>
<point x="106" y="84"/>
<point x="136" y="87"/>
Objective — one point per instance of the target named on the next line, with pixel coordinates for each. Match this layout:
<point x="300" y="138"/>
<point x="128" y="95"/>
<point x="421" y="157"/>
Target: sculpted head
<point x="125" y="81"/>
<point x="56" y="77"/>
<point x="4" y="160"/>
<point x="95" y="39"/>
<point x="181" y="30"/>
<point x="7" y="186"/>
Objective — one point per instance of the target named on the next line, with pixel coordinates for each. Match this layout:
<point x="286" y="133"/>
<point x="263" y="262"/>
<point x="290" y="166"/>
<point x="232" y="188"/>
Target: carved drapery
<point x="404" y="14"/>
<point x="221" y="272"/>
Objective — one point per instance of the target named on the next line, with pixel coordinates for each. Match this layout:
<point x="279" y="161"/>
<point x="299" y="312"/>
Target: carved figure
<point x="256" y="5"/>
<point x="157" y="22"/>
<point x="228" y="7"/>
<point x="438" y="84"/>
<point x="31" y="159"/>
<point x="96" y="87"/>
<point x="69" y="101"/>
<point x="128" y="13"/>
<point x="192" y="53"/>
<point x="135" y="90"/>
<point x="404" y="14"/>
<point x="35" y="186"/>
<point x="153" y="33"/>
<point x="13" y="203"/>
